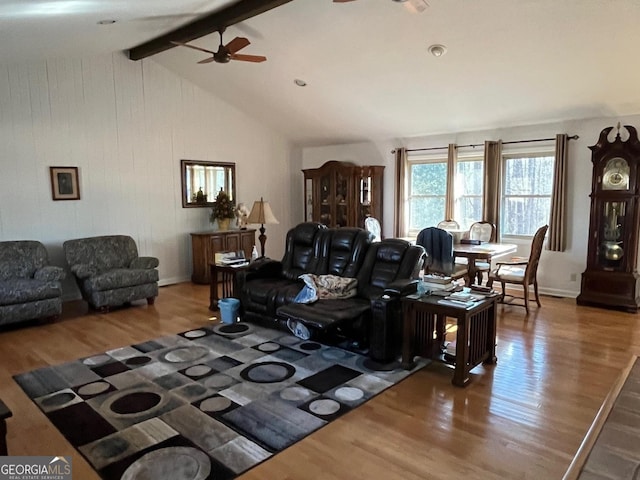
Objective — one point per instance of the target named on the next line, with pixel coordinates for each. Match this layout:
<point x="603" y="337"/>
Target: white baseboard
<point x="557" y="292"/>
<point x="163" y="282"/>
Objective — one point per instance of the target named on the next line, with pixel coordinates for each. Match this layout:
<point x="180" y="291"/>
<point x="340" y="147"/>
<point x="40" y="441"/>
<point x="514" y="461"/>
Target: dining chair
<point x="438" y="244"/>
<point x="448" y="224"/>
<point x="372" y="225"/>
<point x="523" y="272"/>
<point x="484" y="232"/>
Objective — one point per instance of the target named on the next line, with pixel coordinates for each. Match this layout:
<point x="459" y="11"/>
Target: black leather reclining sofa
<point x="385" y="270"/>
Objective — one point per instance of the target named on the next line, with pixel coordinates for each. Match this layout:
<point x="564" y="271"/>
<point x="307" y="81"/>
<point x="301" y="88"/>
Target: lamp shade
<point x="261" y="213"/>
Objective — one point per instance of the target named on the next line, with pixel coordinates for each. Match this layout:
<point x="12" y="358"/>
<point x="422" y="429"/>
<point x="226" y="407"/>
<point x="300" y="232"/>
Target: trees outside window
<point x="526" y="193"/>
<point x="427" y="193"/>
<point x="468" y="191"/>
<point x="527" y="184"/>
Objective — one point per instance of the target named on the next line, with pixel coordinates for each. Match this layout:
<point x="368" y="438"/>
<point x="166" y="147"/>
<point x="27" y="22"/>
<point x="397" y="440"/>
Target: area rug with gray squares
<point x="204" y="404"/>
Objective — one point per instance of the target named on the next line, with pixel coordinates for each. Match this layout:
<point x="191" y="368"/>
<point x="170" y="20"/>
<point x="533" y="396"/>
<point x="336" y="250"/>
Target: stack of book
<point x="462" y="299"/>
<point x="431" y="283"/>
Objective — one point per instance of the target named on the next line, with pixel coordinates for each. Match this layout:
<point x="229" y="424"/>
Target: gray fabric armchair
<point x="109" y="271"/>
<point x="30" y="288"/>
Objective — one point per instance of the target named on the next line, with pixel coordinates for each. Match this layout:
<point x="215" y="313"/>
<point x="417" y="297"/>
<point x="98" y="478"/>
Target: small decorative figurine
<point x="242" y="215"/>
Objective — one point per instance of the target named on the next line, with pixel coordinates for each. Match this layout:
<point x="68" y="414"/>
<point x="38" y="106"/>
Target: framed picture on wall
<point x="64" y="183"/>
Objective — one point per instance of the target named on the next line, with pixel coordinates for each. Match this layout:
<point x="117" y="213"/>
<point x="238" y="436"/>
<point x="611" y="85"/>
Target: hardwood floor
<point x="522" y="418"/>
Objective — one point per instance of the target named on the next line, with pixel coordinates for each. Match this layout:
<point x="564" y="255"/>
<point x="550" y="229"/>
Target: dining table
<point x="484" y="252"/>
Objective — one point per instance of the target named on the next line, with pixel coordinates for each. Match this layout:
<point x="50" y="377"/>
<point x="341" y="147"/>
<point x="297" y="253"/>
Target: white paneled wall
<point x="126" y="125"/>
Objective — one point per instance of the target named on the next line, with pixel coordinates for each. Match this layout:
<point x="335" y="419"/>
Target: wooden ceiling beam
<point x="214" y="22"/>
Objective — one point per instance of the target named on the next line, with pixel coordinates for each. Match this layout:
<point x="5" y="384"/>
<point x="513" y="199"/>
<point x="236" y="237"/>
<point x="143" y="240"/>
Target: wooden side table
<point x="228" y="280"/>
<point x="4" y="414"/>
<point x="475" y="338"/>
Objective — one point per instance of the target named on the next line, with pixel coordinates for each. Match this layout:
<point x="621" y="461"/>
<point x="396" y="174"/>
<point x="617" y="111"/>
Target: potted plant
<point x="223" y="210"/>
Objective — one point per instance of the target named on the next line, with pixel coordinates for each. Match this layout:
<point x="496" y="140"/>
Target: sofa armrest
<point x="263" y="268"/>
<point x="83" y="270"/>
<point x="144" y="263"/>
<point x="50" y="273"/>
<point x="401" y="288"/>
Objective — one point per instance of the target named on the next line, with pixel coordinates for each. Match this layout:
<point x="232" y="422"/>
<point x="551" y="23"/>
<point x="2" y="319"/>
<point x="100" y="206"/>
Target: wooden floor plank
<point x="523" y="418"/>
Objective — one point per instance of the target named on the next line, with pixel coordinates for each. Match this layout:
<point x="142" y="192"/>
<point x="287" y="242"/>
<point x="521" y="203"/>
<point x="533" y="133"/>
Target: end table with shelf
<point x="227" y="280"/>
<point x="475" y="337"/>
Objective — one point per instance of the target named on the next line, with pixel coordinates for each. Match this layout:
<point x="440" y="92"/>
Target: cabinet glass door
<point x="611" y="235"/>
<point x="308" y="199"/>
<point x="341" y="200"/>
<point x="325" y="200"/>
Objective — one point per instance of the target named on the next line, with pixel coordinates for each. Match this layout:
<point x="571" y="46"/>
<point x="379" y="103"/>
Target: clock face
<point x="616" y="175"/>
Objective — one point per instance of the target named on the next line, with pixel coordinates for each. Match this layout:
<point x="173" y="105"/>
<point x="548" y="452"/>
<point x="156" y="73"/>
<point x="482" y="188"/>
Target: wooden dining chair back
<point x="484" y="232"/>
<point x="523" y="272"/>
<point x="438" y="244"/>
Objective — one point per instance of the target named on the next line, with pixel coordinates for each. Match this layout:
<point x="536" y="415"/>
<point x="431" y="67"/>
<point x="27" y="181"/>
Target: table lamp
<point x="261" y="213"/>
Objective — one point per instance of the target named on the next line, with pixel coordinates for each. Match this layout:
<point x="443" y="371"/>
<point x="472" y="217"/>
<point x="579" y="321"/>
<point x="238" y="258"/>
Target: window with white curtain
<point x="527" y="184"/>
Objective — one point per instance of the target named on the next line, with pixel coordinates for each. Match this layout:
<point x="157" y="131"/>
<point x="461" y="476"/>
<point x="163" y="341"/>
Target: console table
<point x="205" y="245"/>
<point x="424" y="316"/>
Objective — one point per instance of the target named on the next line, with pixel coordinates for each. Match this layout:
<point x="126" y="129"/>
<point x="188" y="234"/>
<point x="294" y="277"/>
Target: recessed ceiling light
<point x="106" y="22"/>
<point x="437" y="50"/>
<point x="300" y="83"/>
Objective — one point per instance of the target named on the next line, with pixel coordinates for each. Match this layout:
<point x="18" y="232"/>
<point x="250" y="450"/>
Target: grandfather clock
<point x="611" y="279"/>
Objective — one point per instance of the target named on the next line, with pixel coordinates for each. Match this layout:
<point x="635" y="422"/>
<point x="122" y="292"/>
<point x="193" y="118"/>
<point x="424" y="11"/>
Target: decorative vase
<point x="223" y="223"/>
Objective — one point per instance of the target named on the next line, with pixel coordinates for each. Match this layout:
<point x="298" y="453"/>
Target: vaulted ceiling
<point x="366" y="63"/>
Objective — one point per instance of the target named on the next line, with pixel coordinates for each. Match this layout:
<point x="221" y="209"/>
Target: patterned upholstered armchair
<point x="30" y="288"/>
<point x="109" y="271"/>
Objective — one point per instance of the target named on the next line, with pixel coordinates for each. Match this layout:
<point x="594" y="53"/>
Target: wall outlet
<point x="573" y="277"/>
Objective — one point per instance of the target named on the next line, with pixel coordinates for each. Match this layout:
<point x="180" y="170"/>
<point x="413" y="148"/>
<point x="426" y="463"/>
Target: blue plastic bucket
<point x="229" y="309"/>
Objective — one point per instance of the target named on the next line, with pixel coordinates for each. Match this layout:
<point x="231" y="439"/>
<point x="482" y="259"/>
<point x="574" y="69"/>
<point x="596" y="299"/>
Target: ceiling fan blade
<point x="342" y="1"/>
<point x="194" y="47"/>
<point x="236" y="44"/>
<point x="207" y="60"/>
<point x="249" y="58"/>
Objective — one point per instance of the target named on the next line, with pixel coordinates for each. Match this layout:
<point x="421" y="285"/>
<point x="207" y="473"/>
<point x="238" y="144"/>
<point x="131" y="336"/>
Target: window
<point x="427" y="180"/>
<point x="468" y="191"/>
<point x="427" y="192"/>
<point x="526" y="194"/>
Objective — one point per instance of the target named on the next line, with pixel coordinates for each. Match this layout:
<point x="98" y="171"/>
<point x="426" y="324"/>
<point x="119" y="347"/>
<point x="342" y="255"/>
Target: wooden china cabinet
<point x="342" y="194"/>
<point x="611" y="278"/>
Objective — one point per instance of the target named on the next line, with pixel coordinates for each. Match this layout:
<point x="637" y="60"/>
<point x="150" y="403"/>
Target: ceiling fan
<point x="227" y="52"/>
<point x="416" y="6"/>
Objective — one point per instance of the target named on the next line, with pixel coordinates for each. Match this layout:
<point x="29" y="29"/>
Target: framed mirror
<point x="202" y="180"/>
